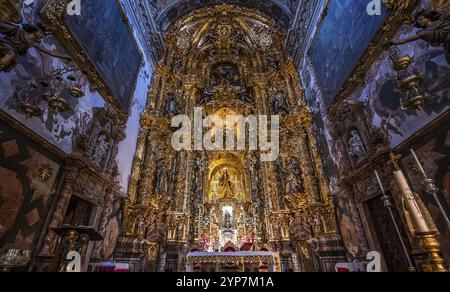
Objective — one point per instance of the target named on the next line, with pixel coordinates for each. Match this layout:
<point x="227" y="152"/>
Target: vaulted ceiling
<point x="166" y="12"/>
<point x="152" y="18"/>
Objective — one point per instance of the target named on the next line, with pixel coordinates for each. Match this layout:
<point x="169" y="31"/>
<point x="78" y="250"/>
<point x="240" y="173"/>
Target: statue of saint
<point x="162" y="185"/>
<point x="273" y="64"/>
<point x="356" y="146"/>
<point x="435" y="30"/>
<point x="100" y="150"/>
<point x="207" y="95"/>
<point x="171" y="106"/>
<point x="244" y="95"/>
<point x="227" y="220"/>
<point x="293" y="183"/>
<point x="280" y="104"/>
<point x="226" y="186"/>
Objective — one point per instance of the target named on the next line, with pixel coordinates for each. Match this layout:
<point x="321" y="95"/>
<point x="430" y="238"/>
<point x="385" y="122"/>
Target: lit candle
<point x="419" y="164"/>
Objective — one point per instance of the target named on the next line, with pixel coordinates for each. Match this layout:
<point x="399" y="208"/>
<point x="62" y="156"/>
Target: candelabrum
<point x="50" y="91"/>
<point x="409" y="82"/>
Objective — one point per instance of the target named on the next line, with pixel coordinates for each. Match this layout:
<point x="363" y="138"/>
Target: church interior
<point x="357" y="96"/>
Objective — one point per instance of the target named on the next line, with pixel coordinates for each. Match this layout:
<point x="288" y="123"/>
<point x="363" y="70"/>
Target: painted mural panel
<point x="381" y="98"/>
<point x="104" y="36"/>
<point x="350" y="226"/>
<point x="29" y="178"/>
<point x="343" y="37"/>
<point x="33" y="68"/>
<point x="385" y="100"/>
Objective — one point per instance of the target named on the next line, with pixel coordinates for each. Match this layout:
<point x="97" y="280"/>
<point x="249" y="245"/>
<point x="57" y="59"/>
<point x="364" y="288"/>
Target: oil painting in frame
<point x="103" y="46"/>
<point x="345" y="33"/>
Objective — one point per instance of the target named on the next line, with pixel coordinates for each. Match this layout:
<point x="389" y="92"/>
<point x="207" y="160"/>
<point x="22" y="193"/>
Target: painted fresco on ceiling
<point x="104" y="36"/>
<point x="160" y="5"/>
<point x="32" y="176"/>
<point x="343" y="37"/>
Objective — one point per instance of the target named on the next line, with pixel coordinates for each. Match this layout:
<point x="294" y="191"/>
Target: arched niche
<point x="227" y="181"/>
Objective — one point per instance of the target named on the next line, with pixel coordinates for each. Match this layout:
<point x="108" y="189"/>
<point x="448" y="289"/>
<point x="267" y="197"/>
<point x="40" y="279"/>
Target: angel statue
<point x="17" y="40"/>
<point x="435" y="27"/>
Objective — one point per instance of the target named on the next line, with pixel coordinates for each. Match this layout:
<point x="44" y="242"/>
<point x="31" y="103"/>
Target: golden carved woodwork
<point x="212" y="57"/>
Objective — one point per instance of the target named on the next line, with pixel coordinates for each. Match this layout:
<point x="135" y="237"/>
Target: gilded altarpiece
<point x="229" y="61"/>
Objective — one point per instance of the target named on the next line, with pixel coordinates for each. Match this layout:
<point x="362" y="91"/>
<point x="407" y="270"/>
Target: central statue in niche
<point x="226" y="181"/>
<point x="226" y="186"/>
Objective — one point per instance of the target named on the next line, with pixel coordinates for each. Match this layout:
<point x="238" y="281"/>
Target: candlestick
<point x="379" y="182"/>
<point x="431" y="188"/>
<point x="388" y="204"/>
